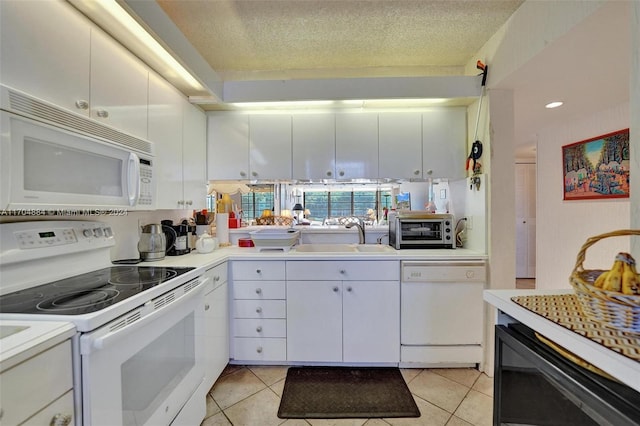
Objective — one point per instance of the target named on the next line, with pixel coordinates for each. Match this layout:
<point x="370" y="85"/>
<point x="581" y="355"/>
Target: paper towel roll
<point x="222" y="227"/>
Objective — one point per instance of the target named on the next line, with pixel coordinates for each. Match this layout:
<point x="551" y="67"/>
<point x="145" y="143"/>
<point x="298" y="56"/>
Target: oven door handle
<point x="112" y="337"/>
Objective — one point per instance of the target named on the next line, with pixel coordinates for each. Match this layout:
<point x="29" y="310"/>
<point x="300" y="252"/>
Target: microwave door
<point x="133" y="178"/>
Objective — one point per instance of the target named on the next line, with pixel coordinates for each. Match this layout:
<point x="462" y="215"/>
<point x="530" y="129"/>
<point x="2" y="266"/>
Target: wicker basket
<point x="275" y="220"/>
<point x="612" y="309"/>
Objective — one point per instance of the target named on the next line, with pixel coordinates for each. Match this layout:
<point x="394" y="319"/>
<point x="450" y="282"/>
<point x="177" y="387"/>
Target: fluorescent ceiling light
<point x="115" y="20"/>
<point x="554" y="104"/>
<point x="281" y="104"/>
<point x="342" y="103"/>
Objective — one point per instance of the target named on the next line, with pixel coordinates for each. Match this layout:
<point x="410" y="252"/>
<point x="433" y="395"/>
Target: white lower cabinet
<point x="259" y="311"/>
<point x="216" y="324"/>
<point x="349" y="312"/>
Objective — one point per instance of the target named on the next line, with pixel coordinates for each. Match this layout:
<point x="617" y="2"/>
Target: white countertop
<point x="20" y="340"/>
<point x="222" y="254"/>
<point x="622" y="368"/>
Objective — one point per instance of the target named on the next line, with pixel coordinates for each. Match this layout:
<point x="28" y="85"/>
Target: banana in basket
<point x="622" y="277"/>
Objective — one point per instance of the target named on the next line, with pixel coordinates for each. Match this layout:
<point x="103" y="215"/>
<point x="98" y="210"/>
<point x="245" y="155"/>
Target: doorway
<point x="525" y="186"/>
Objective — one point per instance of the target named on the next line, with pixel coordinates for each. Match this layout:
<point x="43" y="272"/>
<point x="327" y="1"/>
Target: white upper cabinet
<point x="227" y="146"/>
<point x="194" y="154"/>
<point x="356" y="145"/>
<point x="179" y="131"/>
<point x="400" y="145"/>
<point x="119" y="84"/>
<point x="45" y="52"/>
<point x="54" y="53"/>
<point x="270" y="146"/>
<point x="444" y="133"/>
<point x="314" y="146"/>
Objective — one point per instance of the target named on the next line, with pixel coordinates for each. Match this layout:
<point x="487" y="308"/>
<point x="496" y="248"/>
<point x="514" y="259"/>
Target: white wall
<point x="564" y="226"/>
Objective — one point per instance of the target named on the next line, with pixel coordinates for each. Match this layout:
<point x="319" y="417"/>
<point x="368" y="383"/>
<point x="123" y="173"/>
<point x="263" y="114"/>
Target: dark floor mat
<point x="345" y="392"/>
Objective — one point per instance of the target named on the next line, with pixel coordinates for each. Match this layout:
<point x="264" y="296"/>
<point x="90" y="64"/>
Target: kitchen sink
<point x="343" y="248"/>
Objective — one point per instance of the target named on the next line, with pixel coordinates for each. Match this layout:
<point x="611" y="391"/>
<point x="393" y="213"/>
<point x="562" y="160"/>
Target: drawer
<point x="259" y="290"/>
<point x="257" y="270"/>
<point x="259" y="309"/>
<point x="34" y="384"/>
<point x="218" y="274"/>
<point x="62" y="406"/>
<point x="260" y="327"/>
<point x="260" y="349"/>
<point x="386" y="270"/>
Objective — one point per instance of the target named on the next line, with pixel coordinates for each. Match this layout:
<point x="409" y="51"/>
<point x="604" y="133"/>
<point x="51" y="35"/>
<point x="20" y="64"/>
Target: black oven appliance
<point x="534" y="385"/>
<point x="421" y="230"/>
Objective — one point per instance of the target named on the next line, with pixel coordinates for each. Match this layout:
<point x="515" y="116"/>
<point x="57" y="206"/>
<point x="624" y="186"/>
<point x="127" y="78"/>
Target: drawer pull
<point x="216" y="278"/>
<point x="259" y="329"/>
<point x="258" y="310"/>
<point x="82" y="104"/>
<point x="349" y="289"/>
<point x="206" y="307"/>
<point x="102" y="113"/>
<point x="342" y="271"/>
<point x="335" y="289"/>
<point x="259" y="349"/>
<point x="258" y="271"/>
<point x="258" y="290"/>
<point x="60" y="420"/>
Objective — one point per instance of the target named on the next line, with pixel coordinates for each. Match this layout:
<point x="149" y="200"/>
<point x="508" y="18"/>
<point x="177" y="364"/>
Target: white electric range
<point x="138" y="355"/>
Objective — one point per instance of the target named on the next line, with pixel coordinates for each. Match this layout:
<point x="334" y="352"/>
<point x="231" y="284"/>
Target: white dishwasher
<point x="442" y="313"/>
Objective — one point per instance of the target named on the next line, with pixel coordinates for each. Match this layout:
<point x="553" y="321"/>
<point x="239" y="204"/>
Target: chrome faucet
<point x="360" y="226"/>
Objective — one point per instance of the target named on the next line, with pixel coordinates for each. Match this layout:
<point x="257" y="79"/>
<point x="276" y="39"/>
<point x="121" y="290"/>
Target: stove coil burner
<point x="78" y="300"/>
<point x="137" y="276"/>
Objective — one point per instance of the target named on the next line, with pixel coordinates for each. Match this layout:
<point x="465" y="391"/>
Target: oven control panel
<point x="39" y="238"/>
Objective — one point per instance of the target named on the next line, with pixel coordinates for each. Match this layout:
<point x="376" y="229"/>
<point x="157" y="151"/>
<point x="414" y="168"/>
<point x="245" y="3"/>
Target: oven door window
<point x="149" y="377"/>
<point x="421" y="231"/>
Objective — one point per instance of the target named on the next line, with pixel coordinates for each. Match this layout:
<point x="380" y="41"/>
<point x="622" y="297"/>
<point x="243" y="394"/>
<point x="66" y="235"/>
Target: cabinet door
<point x="217" y="332"/>
<point x="314" y="146"/>
<point x="119" y="86"/>
<point x="371" y="321"/>
<point x="444" y="135"/>
<point x="400" y="145"/>
<point x="270" y="146"/>
<point x="45" y="51"/>
<point x="356" y="145"/>
<point x="227" y="146"/>
<point x="314" y="321"/>
<point x="194" y="154"/>
<point x="165" y="130"/>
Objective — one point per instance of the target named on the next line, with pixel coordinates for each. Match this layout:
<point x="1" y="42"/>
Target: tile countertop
<point x="20" y="340"/>
<point x="207" y="260"/>
<point x="624" y="369"/>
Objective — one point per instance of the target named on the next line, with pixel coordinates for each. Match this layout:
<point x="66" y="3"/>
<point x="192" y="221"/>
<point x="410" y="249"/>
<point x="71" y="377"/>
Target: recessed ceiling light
<point x="554" y="104"/>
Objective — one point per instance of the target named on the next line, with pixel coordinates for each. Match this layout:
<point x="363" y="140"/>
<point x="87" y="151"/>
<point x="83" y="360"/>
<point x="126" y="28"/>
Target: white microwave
<point x="55" y="159"/>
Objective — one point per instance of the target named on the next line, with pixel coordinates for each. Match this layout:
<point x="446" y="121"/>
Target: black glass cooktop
<point x="88" y="292"/>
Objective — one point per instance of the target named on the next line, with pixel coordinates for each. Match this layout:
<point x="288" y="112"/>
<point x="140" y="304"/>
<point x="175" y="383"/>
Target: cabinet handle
<point x="82" y="104"/>
<point x="349" y="289"/>
<point x="259" y="349"/>
<point x="60" y="420"/>
<point x="243" y="174"/>
<point x="216" y="278"/>
<point x="102" y="113"/>
<point x="416" y="172"/>
<point x="429" y="172"/>
<point x="342" y="271"/>
<point x="206" y="307"/>
<point x="188" y="202"/>
<point x="259" y="329"/>
<point x="258" y="290"/>
<point x="341" y="173"/>
<point x="254" y="174"/>
<point x="335" y="289"/>
<point x="181" y="202"/>
<point x="258" y="310"/>
<point x="329" y="173"/>
<point x="258" y="271"/>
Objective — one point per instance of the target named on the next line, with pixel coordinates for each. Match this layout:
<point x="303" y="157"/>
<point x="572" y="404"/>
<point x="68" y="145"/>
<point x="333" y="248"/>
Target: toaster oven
<point x="421" y="230"/>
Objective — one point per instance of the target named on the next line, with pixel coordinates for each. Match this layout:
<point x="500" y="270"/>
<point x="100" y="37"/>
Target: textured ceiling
<point x="290" y="39"/>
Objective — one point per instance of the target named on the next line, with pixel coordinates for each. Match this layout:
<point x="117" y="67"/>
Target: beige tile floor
<point x="250" y="395"/>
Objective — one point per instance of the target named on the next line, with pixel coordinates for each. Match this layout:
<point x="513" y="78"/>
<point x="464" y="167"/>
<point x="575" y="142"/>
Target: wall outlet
<point x="469" y="222"/>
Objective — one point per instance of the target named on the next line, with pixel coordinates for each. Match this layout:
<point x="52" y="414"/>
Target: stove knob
<point x="98" y="232"/>
<point x="108" y="232"/>
<point x="87" y="233"/>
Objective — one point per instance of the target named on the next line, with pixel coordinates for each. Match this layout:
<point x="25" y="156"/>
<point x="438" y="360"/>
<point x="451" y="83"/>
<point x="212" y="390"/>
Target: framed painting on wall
<point x="597" y="168"/>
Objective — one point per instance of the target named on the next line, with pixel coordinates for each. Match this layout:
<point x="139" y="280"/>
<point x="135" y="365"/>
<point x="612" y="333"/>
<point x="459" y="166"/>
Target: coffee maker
<point x="178" y="237"/>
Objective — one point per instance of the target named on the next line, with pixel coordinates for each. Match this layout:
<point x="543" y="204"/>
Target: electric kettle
<point x="153" y="242"/>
